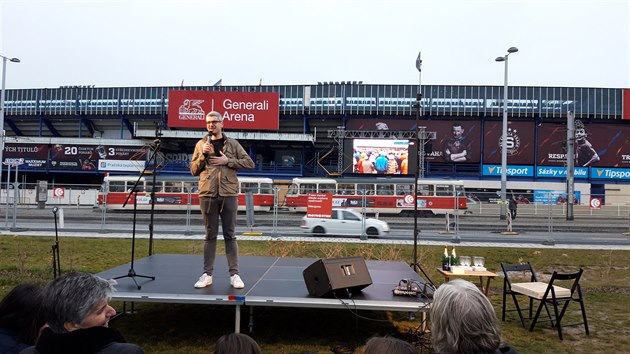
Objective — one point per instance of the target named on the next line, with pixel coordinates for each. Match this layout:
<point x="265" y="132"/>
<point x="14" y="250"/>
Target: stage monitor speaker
<point x="326" y="276"/>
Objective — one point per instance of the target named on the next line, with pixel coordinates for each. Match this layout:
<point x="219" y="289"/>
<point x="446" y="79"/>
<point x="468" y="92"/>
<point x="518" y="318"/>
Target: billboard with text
<point x="74" y="157"/>
<point x="240" y="110"/>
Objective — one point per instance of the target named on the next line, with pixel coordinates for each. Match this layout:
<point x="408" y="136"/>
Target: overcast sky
<point x="160" y="43"/>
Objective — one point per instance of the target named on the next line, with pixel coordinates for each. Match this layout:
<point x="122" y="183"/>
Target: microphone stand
<point x="156" y="149"/>
<point x="132" y="273"/>
<point x="56" y="261"/>
<point x="416" y="266"/>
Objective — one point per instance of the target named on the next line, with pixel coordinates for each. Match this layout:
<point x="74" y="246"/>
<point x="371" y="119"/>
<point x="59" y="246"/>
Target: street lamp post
<point x="4" y="79"/>
<point x="504" y="134"/>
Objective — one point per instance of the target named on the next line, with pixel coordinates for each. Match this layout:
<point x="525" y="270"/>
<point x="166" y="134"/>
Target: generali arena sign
<point x="240" y="110"/>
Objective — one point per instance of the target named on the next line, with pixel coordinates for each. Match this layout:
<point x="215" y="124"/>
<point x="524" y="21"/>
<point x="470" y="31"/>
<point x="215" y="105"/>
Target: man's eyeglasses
<point x="213" y="122"/>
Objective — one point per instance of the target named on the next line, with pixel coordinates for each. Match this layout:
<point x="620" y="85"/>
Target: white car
<point x="344" y="222"/>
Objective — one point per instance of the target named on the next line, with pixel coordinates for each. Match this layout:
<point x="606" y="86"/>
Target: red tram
<point x="389" y="195"/>
<point x="178" y="192"/>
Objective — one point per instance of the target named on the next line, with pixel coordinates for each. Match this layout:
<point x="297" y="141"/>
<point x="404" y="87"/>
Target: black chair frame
<point x="507" y="290"/>
<point x="550" y="298"/>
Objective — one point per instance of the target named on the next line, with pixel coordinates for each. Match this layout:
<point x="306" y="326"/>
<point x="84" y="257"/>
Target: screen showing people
<point x="381" y="156"/>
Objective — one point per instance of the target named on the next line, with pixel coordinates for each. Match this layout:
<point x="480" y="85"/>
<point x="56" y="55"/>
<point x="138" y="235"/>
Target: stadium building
<point x="78" y="133"/>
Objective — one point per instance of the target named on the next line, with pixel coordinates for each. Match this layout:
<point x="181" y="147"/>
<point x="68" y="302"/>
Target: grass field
<point x="175" y="328"/>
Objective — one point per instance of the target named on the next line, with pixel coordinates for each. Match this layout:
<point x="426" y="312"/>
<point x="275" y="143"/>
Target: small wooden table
<point x="470" y="273"/>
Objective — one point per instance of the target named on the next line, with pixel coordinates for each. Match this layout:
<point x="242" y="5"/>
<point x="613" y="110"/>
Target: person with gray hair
<point x="388" y="345"/>
<point x="216" y="160"/>
<point x="463" y="321"/>
<point x="77" y="311"/>
<point x="236" y="343"/>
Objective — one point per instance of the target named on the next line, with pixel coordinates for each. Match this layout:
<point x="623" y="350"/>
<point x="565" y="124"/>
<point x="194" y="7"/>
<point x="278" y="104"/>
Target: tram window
<point x="402" y="189"/>
<point x="385" y="189"/>
<point x="346" y="189"/>
<point x="159" y="188"/>
<point x="139" y="188"/>
<point x="367" y="189"/>
<point x="425" y="190"/>
<point x="266" y="188"/>
<point x="172" y="187"/>
<point x="443" y="190"/>
<point x="328" y="188"/>
<point x="190" y="186"/>
<point x="116" y="186"/>
<point x="249" y="187"/>
<point x="308" y="188"/>
<point x="460" y="190"/>
<point x="293" y="189"/>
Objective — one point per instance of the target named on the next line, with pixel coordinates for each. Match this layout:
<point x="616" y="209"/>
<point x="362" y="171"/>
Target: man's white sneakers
<point x="236" y="282"/>
<point x="204" y="280"/>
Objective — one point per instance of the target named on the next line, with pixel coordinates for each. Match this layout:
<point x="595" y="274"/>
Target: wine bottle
<point x="446" y="260"/>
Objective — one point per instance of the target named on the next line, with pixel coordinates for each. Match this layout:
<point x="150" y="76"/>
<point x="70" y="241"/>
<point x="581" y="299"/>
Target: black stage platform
<point x="269" y="281"/>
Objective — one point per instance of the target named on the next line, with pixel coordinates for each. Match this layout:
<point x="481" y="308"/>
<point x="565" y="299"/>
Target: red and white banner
<point x="240" y="110"/>
<point x="319" y="205"/>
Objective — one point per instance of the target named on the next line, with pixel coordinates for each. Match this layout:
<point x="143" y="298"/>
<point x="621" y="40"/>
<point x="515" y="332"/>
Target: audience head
<point x="20" y="312"/>
<point x="236" y="343"/>
<point x="76" y="301"/>
<point x="388" y="345"/>
<point x="463" y="320"/>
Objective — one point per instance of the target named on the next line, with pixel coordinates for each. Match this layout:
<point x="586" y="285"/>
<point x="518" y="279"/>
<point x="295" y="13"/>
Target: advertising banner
<point x="560" y="172"/>
<point x="610" y="173"/>
<point x="457" y="141"/>
<point x="240" y="110"/>
<point x="35" y="156"/>
<point x="319" y="205"/>
<point x="595" y="144"/>
<point x="511" y="170"/>
<point x="88" y="157"/>
<point x="555" y="197"/>
<point x="520" y="143"/>
<point x="71" y="157"/>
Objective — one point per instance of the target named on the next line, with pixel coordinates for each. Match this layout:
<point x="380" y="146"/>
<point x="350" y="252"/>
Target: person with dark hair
<point x="216" y="159"/>
<point x="463" y="321"/>
<point x="388" y="345"/>
<point x="585" y="154"/>
<point x="77" y="311"/>
<point x="456" y="148"/>
<point x="513" y="206"/>
<point x="236" y="343"/>
<point x="21" y="318"/>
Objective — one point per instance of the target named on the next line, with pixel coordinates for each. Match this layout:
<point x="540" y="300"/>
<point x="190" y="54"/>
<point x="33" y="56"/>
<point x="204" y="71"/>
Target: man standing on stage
<point x="215" y="160"/>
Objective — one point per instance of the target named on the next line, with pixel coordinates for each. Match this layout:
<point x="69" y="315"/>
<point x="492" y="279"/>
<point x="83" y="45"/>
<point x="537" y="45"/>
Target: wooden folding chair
<point x="550" y="293"/>
<point x="525" y="271"/>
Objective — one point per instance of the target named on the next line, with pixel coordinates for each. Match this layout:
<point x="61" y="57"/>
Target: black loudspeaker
<point x="326" y="276"/>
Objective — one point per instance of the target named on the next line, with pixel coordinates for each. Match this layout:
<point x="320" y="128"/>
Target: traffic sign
<point x="596" y="203"/>
<point x="59" y="192"/>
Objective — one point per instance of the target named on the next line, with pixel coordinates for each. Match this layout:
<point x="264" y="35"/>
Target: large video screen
<point x="381" y="156"/>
